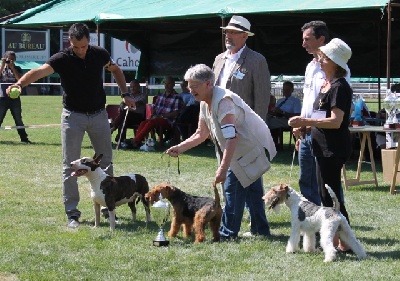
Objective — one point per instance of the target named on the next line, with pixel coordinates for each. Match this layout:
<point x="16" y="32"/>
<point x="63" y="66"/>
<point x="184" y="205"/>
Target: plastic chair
<point x="112" y="112"/>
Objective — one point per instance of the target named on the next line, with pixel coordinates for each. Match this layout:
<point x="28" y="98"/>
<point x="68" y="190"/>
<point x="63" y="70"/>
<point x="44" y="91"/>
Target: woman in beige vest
<point x="241" y="138"/>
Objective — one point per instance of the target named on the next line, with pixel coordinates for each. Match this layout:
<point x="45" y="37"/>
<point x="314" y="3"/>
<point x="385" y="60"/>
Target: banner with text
<point x="125" y="55"/>
<point x="29" y="45"/>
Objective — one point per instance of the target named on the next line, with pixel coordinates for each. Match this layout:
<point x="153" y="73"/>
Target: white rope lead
<point x="29" y="126"/>
<point x="122" y="128"/>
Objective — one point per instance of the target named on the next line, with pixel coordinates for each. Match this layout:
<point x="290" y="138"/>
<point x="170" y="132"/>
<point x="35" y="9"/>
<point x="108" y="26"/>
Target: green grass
<point x="37" y="245"/>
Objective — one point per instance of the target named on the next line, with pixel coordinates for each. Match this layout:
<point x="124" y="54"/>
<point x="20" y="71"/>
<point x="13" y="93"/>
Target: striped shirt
<point x="166" y="104"/>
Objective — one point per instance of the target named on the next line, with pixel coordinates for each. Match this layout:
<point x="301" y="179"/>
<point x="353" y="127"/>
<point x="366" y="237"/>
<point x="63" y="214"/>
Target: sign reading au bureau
<point x="29" y="45"/>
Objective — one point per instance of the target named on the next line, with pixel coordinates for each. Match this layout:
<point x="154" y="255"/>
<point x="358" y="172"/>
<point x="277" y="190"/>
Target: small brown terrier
<point x="193" y="212"/>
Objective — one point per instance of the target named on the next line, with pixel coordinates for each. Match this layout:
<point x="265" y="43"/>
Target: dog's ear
<point x="285" y="187"/>
<point x="169" y="188"/>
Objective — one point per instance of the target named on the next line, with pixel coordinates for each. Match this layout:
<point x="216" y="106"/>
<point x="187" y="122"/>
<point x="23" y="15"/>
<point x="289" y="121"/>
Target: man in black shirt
<point x="80" y="68"/>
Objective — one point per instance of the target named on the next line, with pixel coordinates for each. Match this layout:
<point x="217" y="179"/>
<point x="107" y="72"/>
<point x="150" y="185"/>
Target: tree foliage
<point x="9" y="7"/>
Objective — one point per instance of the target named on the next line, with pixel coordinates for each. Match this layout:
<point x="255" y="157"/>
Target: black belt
<point x="86" y="112"/>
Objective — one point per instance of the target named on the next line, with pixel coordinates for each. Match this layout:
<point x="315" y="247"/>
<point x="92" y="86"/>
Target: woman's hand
<point x="220" y="176"/>
<point x="173" y="151"/>
<point x="298" y="132"/>
<point x="297" y="121"/>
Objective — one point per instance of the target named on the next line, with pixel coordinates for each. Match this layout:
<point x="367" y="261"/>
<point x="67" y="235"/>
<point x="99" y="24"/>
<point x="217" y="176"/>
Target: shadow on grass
<point x="363" y="228"/>
<point x="381" y="241"/>
<point x="372" y="188"/>
<point x="124" y="223"/>
<point x="34" y="143"/>
<point x="392" y="255"/>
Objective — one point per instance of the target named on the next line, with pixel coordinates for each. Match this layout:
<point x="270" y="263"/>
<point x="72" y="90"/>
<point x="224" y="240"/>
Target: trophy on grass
<point x="160" y="212"/>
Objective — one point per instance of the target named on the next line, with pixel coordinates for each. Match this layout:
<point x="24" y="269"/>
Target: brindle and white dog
<point x="111" y="191"/>
<point x="308" y="218"/>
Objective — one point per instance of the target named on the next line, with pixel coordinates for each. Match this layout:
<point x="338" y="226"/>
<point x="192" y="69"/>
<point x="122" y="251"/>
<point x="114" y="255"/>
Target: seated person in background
<point x="167" y="107"/>
<point x="189" y="116"/>
<point x="286" y="107"/>
<point x="134" y="116"/>
<point x="272" y="103"/>
<point x="186" y="96"/>
<point x="364" y="111"/>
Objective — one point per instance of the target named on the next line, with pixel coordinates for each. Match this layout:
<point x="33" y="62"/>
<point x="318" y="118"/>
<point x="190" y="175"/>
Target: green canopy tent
<point x="28" y="65"/>
<point x="174" y="34"/>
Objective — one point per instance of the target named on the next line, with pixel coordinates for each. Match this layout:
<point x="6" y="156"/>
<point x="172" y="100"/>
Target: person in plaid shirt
<point x="165" y="110"/>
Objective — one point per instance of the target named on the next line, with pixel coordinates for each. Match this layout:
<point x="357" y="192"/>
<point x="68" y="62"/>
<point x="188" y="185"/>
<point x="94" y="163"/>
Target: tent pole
<point x="379" y="65"/>
<point x="98" y="34"/>
<point x="222" y="34"/>
<point x="389" y="37"/>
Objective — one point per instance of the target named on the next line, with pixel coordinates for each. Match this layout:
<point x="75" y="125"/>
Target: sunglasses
<point x="230" y="32"/>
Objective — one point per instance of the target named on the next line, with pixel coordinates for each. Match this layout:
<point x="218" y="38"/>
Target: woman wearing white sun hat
<point x="329" y="122"/>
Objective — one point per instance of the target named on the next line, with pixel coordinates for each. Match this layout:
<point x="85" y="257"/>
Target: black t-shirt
<point x="81" y="79"/>
<point x="7" y="78"/>
<point x="333" y="142"/>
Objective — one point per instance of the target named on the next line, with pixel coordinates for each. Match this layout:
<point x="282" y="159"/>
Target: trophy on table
<point x="160" y="211"/>
<point x="391" y="104"/>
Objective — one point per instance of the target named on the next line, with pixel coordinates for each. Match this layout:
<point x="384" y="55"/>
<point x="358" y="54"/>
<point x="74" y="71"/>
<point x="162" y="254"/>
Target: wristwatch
<point x="125" y="95"/>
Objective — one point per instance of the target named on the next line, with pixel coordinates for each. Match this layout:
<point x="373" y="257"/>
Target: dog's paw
<point x="290" y="251"/>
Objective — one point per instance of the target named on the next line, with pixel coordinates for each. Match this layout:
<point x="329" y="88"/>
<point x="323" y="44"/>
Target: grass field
<point x="37" y="245"/>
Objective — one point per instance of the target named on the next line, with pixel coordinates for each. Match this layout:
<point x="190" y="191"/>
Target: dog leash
<point x="291" y="167"/>
<point x="122" y="128"/>
<point x="169" y="166"/>
<point x="119" y="139"/>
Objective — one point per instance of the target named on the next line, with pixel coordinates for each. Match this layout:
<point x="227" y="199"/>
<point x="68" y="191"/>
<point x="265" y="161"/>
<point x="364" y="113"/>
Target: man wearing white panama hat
<point x="242" y="70"/>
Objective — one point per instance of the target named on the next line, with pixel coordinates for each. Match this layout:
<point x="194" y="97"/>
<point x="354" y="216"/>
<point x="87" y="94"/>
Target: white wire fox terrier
<point x="148" y="146"/>
<point x="308" y="218"/>
<point x="110" y="192"/>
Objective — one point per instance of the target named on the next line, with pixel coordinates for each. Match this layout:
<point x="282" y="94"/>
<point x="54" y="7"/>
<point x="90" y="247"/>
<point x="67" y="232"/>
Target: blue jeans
<point x="14" y="105"/>
<point x="73" y="128"/>
<point x="236" y="197"/>
<point x="308" y="177"/>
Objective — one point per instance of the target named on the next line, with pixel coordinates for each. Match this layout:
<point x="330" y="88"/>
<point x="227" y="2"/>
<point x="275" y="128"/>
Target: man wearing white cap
<point x="242" y="70"/>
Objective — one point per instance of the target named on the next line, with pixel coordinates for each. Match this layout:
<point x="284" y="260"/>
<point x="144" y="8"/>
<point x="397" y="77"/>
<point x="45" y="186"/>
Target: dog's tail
<point x="216" y="195"/>
<point x="336" y="204"/>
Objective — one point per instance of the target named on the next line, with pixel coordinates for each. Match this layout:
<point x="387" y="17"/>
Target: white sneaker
<point x="247" y="234"/>
<point x="143" y="147"/>
<point x="73" y="223"/>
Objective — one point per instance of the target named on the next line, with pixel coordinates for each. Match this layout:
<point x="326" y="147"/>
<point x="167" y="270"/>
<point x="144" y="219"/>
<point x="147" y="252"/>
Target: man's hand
<point x="130" y="103"/>
<point x="13" y="86"/>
